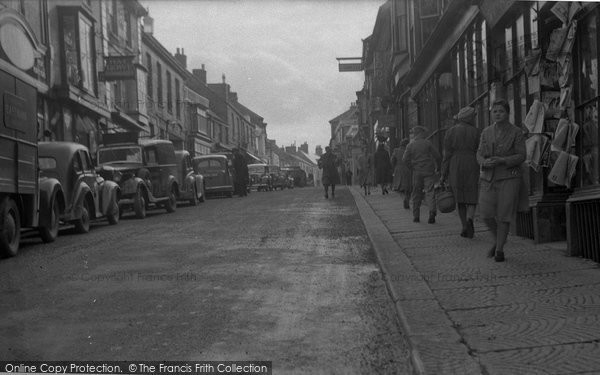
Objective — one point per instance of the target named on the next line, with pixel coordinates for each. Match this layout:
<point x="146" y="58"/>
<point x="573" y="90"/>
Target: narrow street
<point x="283" y="276"/>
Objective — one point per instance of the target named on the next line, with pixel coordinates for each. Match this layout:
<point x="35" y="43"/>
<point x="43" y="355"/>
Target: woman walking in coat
<point x="383" y="168"/>
<point x="402" y="181"/>
<point x="329" y="163"/>
<point x="500" y="154"/>
<point x="460" y="167"/>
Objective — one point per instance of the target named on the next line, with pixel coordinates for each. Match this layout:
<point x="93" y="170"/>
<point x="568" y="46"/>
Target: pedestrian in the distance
<point x="365" y="171"/>
<point x="460" y="168"/>
<point x="383" y="168"/>
<point x="348" y="177"/>
<point x="240" y="168"/>
<point x="424" y="160"/>
<point x="329" y="163"/>
<point x="402" y="179"/>
<point x="500" y="154"/>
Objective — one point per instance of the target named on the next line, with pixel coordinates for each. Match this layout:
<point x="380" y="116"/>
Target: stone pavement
<point x="463" y="313"/>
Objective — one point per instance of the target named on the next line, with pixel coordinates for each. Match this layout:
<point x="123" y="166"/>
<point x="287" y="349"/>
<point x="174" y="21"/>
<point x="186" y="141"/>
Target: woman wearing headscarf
<point x="402" y="181"/>
<point x="383" y="168"/>
<point x="500" y="154"/>
<point x="460" y="168"/>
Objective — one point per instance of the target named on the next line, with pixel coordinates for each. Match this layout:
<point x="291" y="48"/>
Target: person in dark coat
<point x="383" y="168"/>
<point x="240" y="168"/>
<point x="460" y="168"/>
<point x="329" y="163"/>
<point x="423" y="159"/>
<point x="402" y="179"/>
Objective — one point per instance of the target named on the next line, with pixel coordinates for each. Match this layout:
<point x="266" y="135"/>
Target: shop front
<point x="544" y="62"/>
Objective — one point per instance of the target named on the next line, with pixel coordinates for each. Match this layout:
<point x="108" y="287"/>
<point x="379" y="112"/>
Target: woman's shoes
<point x="463" y="233"/>
<point x="492" y="252"/>
<point x="470" y="230"/>
<point x="499" y="256"/>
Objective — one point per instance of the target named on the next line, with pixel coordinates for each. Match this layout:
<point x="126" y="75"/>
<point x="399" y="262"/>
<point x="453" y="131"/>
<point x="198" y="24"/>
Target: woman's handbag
<point x="444" y="199"/>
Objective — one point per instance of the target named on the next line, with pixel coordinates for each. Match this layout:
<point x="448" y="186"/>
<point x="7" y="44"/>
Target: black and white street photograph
<point x="299" y="187"/>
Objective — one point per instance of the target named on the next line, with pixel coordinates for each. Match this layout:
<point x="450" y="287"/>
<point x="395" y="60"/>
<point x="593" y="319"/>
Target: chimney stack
<point x="200" y="74"/>
<point x="181" y="58"/>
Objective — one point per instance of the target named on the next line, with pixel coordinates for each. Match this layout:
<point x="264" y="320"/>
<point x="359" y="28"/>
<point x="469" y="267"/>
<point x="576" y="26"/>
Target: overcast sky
<point x="278" y="55"/>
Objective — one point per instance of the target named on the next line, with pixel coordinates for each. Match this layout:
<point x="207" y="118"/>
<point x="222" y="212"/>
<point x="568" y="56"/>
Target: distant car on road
<point x="278" y="179"/>
<point x="145" y="171"/>
<point x="217" y="173"/>
<point x="260" y="179"/>
<point x="191" y="183"/>
<point x="85" y="194"/>
<point x="298" y="175"/>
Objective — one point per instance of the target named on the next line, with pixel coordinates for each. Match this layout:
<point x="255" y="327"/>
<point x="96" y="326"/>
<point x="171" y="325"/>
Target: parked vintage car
<point x="278" y="179"/>
<point x="259" y="177"/>
<point x="84" y="194"/>
<point x="145" y="171"/>
<point x="217" y="172"/>
<point x="191" y="184"/>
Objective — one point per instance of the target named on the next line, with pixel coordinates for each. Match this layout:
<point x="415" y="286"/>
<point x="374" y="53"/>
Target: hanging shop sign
<point x="350" y="64"/>
<point x="118" y="68"/>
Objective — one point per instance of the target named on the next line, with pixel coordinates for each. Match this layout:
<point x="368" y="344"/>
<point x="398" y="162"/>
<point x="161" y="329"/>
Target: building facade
<point x="165" y="90"/>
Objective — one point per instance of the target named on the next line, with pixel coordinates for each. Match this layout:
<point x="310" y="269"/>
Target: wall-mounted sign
<point x="118" y="68"/>
<point x="15" y="112"/>
<point x="17" y="46"/>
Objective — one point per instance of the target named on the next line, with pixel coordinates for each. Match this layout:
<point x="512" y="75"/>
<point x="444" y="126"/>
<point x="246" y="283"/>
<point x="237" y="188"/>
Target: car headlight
<point x="117" y="176"/>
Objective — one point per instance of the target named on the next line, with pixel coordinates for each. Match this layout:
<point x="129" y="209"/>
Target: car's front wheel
<point x="203" y="196"/>
<point x="82" y="225"/>
<point x="10" y="228"/>
<point x="171" y="204"/>
<point x="114" y="213"/>
<point x="49" y="232"/>
<point x="194" y="200"/>
<point x="139" y="204"/>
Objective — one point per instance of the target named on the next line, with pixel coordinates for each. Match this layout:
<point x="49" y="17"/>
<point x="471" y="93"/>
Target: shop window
<point x="177" y="99"/>
<point x="169" y="93"/>
<point x="429" y="13"/>
<point x="128" y="30"/>
<point x="469" y="65"/>
<point x="149" y="68"/>
<point x="78" y="48"/>
<point x="159" y="84"/>
<point x="400" y="27"/>
<point x="587" y="98"/>
<point x="113" y="19"/>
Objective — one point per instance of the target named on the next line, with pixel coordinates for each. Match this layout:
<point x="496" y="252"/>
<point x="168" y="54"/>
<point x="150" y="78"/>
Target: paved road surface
<point x="285" y="276"/>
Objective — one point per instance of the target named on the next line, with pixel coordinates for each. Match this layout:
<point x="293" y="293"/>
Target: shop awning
<point x="253" y="158"/>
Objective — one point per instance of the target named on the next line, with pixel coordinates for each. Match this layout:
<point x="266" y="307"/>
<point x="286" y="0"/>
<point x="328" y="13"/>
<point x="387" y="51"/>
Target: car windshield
<point x="209" y="164"/>
<point x="130" y="154"/>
